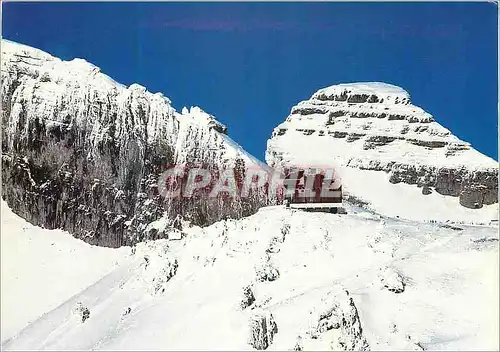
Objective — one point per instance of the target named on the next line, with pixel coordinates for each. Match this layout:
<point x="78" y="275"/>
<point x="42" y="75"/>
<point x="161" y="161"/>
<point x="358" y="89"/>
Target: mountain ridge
<point x="373" y="126"/>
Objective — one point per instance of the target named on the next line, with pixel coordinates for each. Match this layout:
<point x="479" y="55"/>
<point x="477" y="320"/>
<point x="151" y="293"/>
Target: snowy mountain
<point x="84" y="153"/>
<point x="280" y="279"/>
<point x="411" y="265"/>
<point x="392" y="155"/>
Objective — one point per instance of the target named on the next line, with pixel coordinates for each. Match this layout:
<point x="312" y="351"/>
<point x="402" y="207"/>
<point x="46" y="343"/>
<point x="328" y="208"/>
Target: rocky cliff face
<point x="375" y="127"/>
<point x="83" y="153"/>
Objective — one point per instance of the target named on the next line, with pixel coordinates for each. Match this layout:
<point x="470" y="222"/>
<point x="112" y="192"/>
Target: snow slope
<point x="43" y="268"/>
<point x="413" y="285"/>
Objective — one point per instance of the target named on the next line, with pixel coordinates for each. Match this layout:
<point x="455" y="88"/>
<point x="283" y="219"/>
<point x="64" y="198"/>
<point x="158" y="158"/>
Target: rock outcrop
<point x="81" y="312"/>
<point x="84" y="153"/>
<point x="337" y="311"/>
<point x="248" y="297"/>
<point x="374" y="127"/>
<point x="262" y="329"/>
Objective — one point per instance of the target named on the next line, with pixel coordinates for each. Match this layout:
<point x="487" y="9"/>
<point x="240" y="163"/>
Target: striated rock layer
<point x="375" y="127"/>
<point x="83" y="153"/>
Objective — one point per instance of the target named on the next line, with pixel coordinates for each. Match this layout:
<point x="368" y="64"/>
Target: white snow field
<point x="415" y="285"/>
<point x="43" y="268"/>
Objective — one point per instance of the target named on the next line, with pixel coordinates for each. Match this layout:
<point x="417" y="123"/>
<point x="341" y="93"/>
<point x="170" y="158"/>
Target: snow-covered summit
<point x="196" y="115"/>
<point x="373" y="91"/>
<point x="374" y="131"/>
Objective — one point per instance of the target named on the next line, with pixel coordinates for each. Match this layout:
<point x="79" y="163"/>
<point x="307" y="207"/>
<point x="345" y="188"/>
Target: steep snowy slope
<point x="387" y="149"/>
<point x="42" y="268"/>
<point x="278" y="280"/>
<point x="83" y="153"/>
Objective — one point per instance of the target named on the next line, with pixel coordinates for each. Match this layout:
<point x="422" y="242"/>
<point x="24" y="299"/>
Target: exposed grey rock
<point x="334" y="114"/>
<point x="248" y="297"/>
<point x="426" y="190"/>
<point x="364" y="115"/>
<point x="409" y="174"/>
<point x="429" y="144"/>
<point x="489" y="180"/>
<point x="358" y="98"/>
<point x="377" y="141"/>
<point x="474" y="188"/>
<point x="262" y="329"/>
<point x="449" y="181"/>
<point x="338" y="134"/>
<point x="281" y="131"/>
<point x="456" y="148"/>
<point x="351" y="137"/>
<point x="396" y="117"/>
<point x="308" y="110"/>
<point x="404" y="129"/>
<point x="451" y="227"/>
<point x="306" y="132"/>
<point x="473" y="196"/>
<point x="340" y="97"/>
<point x="354" y="200"/>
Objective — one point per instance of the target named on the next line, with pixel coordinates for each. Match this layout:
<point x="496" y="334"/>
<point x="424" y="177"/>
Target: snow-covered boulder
<point x="392" y="281"/>
<point x="337" y="311"/>
<point x="266" y="270"/>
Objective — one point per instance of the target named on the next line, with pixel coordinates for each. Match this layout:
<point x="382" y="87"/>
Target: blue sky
<point x="249" y="63"/>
